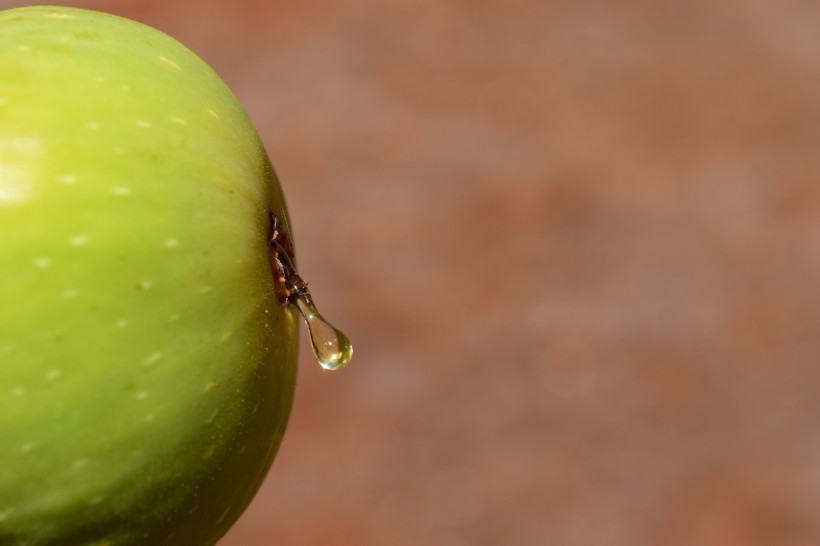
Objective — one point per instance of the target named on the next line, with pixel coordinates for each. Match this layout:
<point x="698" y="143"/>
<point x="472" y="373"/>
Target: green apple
<point x="147" y="366"/>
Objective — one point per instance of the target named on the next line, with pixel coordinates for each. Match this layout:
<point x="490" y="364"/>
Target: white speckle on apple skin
<point x="123" y="192"/>
<point x="119" y="150"/>
<point x="80" y="463"/>
<point x="15" y="185"/>
<point x="209" y="452"/>
<point x="171" y="243"/>
<point x="51" y="375"/>
<point x="173" y="318"/>
<point x="26" y="448"/>
<point x="58" y="16"/>
<point x="122" y="323"/>
<point x="3" y="101"/>
<point x="42" y="263"/>
<point x="144" y="124"/>
<point x="67" y="179"/>
<point x="213" y="113"/>
<point x="92" y="125"/>
<point x="6" y="513"/>
<point x="168" y="62"/>
<point x="205" y="289"/>
<point x="144" y="285"/>
<point x="125" y="87"/>
<point x="18" y="160"/>
<point x="18" y="392"/>
<point x="96" y="500"/>
<point x="223" y="516"/>
<point x="70" y="293"/>
<point x="152" y="359"/>
<point x="24" y="48"/>
<point x="99" y="79"/>
<point x="213" y="415"/>
<point x="140" y="396"/>
<point x="78" y="240"/>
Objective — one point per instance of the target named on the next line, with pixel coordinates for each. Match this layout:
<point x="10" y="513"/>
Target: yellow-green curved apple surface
<point x="147" y="366"/>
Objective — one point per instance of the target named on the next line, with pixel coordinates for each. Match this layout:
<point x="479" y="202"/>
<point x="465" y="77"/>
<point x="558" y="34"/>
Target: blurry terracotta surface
<point x="576" y="245"/>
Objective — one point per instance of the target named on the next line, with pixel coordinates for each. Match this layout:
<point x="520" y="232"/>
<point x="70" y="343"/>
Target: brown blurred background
<point x="577" y="247"/>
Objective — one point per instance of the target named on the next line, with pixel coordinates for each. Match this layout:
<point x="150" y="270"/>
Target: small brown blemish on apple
<point x="211" y="385"/>
<point x="213" y="415"/>
<point x="280" y="255"/>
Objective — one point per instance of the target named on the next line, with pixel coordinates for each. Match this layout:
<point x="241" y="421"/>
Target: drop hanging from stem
<point x="330" y="346"/>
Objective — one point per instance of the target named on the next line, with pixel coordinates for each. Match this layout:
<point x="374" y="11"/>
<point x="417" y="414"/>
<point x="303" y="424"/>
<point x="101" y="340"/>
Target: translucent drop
<point x="330" y="346"/>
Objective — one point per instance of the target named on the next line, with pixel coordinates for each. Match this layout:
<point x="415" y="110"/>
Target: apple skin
<point x="147" y="368"/>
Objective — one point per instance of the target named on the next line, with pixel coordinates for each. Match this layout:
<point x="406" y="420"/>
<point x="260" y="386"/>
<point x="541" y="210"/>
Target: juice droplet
<point x="330" y="346"/>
